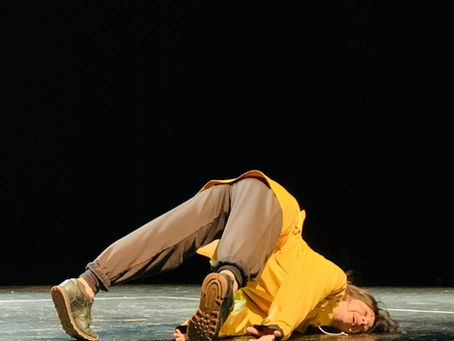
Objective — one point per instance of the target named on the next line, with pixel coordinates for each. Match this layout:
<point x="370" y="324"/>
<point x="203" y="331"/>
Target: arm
<point x="307" y="283"/>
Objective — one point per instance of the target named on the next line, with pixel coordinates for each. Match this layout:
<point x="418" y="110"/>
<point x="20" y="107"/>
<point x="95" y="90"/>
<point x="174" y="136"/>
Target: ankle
<point x="232" y="276"/>
<point x="88" y="291"/>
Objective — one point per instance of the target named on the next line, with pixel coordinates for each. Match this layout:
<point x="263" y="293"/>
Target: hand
<point x="264" y="334"/>
<point x="179" y="336"/>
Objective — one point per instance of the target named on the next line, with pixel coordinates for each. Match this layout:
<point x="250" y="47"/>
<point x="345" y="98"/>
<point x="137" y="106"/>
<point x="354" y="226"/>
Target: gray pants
<point x="245" y="215"/>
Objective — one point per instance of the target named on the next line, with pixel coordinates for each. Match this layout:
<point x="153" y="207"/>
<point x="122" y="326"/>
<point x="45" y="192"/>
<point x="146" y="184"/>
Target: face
<point x="353" y="316"/>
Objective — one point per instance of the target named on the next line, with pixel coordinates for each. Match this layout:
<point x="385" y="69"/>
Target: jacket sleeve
<point x="301" y="292"/>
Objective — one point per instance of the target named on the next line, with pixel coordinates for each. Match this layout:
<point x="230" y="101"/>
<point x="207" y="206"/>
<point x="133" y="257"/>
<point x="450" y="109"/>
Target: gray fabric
<point x="240" y="277"/>
<point x="251" y="231"/>
<point x="245" y="215"/>
<point x="92" y="280"/>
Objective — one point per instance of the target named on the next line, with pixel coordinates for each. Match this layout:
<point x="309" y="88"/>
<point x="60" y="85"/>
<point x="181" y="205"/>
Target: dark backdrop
<point x="114" y="112"/>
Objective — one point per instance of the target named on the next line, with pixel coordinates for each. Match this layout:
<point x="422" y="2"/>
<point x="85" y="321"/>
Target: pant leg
<point x="246" y="216"/>
<point x="163" y="243"/>
<point x="252" y="229"/>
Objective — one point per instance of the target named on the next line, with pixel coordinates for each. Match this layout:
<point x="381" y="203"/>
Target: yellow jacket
<point x="297" y="287"/>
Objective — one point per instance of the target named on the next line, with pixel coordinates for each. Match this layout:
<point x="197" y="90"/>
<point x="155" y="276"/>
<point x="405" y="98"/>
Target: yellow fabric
<point x="297" y="286"/>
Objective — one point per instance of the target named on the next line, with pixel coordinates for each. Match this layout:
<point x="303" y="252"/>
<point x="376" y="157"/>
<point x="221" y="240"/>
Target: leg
<point x="163" y="243"/>
<point x="158" y="246"/>
<point x="252" y="228"/>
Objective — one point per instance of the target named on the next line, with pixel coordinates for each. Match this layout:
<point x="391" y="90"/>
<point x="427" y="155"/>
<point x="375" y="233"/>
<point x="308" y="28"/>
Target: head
<point x="359" y="313"/>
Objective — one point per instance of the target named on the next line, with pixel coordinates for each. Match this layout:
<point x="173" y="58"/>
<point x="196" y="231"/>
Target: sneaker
<point x="216" y="303"/>
<point x="74" y="309"/>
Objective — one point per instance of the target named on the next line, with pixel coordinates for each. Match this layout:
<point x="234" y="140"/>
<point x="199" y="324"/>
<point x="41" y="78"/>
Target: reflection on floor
<point x="150" y="312"/>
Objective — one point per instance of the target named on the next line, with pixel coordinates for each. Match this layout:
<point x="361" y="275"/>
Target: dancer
<point x="265" y="281"/>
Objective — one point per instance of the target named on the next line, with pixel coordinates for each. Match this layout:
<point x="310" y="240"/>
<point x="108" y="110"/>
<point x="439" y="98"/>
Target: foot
<point x="216" y="303"/>
<point x="74" y="309"/>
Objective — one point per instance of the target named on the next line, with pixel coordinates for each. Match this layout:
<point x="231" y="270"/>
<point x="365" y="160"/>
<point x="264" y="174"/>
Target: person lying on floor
<point x="266" y="280"/>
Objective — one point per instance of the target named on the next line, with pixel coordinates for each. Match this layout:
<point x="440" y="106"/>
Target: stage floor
<point x="150" y="312"/>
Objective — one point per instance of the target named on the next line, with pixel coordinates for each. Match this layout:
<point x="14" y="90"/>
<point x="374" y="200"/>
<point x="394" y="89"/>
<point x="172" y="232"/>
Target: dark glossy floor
<point x="150" y="312"/>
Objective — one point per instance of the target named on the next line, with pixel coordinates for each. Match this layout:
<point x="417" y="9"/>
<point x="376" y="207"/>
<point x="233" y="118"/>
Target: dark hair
<point x="384" y="323"/>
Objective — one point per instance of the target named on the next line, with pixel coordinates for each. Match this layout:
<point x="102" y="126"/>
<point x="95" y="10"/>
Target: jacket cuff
<point x="284" y="328"/>
<point x="272" y="327"/>
<point x="183" y="327"/>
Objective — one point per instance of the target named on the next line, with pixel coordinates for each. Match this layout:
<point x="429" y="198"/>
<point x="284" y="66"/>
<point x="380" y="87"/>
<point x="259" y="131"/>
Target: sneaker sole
<point x="63" y="307"/>
<point x="205" y="324"/>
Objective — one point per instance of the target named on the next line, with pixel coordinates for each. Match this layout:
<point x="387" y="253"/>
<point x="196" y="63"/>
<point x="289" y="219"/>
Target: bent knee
<point x="253" y="183"/>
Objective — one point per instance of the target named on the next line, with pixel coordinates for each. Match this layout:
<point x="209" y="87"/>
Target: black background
<point x="115" y="112"/>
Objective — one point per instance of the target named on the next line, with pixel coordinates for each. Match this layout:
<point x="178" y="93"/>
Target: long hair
<point x="384" y="323"/>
